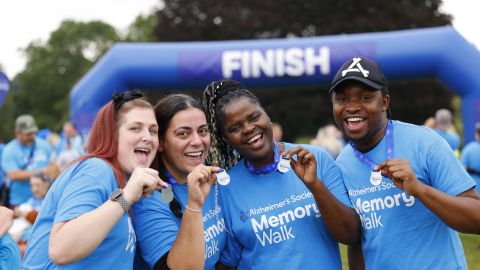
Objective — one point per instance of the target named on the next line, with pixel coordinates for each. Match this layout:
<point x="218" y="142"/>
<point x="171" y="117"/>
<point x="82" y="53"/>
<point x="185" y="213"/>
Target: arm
<point x="6" y="217"/>
<point x="461" y="213"/>
<point x="221" y="266"/>
<point x="355" y="256"/>
<point x="190" y="239"/>
<point x="341" y="221"/>
<point x="24" y="175"/>
<point x="70" y="241"/>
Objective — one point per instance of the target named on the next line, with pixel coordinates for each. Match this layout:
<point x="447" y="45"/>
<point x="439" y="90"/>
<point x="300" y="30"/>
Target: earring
<point x="271" y="123"/>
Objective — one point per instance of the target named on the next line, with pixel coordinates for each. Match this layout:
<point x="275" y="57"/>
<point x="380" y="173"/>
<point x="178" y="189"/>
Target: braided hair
<point x="165" y="109"/>
<point x="216" y="97"/>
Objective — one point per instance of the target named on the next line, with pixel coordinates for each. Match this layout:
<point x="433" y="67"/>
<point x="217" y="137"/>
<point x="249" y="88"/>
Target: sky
<point x="22" y="21"/>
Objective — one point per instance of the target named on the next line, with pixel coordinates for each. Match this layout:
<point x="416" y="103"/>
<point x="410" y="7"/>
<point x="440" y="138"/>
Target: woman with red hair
<point x="85" y="218"/>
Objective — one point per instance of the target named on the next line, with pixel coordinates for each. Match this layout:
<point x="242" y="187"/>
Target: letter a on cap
<point x="356" y="61"/>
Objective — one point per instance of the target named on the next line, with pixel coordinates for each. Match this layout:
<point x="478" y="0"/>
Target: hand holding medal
<point x="401" y="173"/>
<point x="200" y="181"/>
<point x="305" y="167"/>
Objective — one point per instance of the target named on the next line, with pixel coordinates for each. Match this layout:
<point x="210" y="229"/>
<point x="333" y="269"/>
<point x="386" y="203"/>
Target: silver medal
<point x="283" y="165"/>
<point x="222" y="177"/>
<point x="376" y="178"/>
<point x="167" y="194"/>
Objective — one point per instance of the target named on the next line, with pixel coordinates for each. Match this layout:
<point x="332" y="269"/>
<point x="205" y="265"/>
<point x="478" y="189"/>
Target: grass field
<point x="470" y="246"/>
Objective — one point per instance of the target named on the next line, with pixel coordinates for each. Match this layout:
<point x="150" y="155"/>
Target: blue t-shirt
<point x="81" y="189"/>
<point x="398" y="231"/>
<point x="157" y="227"/>
<point x="2" y="145"/>
<point x="453" y="139"/>
<point x="471" y="158"/>
<point x="274" y="222"/>
<point x="10" y="256"/>
<point x="15" y="157"/>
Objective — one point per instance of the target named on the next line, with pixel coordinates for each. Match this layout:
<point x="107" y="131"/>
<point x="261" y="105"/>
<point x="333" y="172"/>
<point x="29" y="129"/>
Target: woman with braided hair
<point x="188" y="231"/>
<point x="85" y="221"/>
<point x="276" y="219"/>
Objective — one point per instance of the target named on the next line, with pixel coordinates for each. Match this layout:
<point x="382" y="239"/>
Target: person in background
<point x="430" y="123"/>
<point x="72" y="141"/>
<point x="27" y="212"/>
<point x="10" y="257"/>
<point x="3" y="181"/>
<point x="23" y="157"/>
<point x="54" y="139"/>
<point x="328" y="140"/>
<point x="446" y="130"/>
<point x="470" y="158"/>
<point x="85" y="220"/>
<point x="277" y="132"/>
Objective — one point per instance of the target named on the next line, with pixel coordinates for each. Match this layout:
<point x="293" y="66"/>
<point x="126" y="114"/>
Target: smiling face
<point x="185" y="143"/>
<point x="360" y="112"/>
<point x="137" y="139"/>
<point x="248" y="130"/>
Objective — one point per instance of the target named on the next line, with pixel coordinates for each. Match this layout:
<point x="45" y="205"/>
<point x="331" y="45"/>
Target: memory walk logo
<point x="274" y="221"/>
<point x="211" y="245"/>
<point x="372" y="220"/>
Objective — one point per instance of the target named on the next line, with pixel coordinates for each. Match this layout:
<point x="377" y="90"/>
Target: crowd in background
<point x="30" y="163"/>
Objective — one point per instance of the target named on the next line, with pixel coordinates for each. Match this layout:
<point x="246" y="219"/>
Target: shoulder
<point x="11" y="146"/>
<point x="94" y="167"/>
<point x="399" y="126"/>
<point x="345" y="155"/>
<point x="471" y="146"/>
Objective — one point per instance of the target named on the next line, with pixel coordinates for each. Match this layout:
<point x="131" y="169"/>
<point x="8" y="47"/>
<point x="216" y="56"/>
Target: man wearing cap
<point x="443" y="120"/>
<point x="23" y="157"/>
<point x="404" y="181"/>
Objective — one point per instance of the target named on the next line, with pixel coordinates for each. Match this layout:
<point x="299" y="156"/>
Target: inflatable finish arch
<point x="439" y="52"/>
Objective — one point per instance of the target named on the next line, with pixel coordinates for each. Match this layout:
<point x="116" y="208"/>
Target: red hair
<point x="103" y="139"/>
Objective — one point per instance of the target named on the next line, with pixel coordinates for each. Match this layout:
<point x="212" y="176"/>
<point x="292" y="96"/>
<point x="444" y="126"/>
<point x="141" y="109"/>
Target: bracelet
<point x="196" y="211"/>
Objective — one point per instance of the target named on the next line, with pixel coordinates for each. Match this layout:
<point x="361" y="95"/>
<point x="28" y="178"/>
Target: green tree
<point x="141" y="30"/>
<point x="54" y="66"/>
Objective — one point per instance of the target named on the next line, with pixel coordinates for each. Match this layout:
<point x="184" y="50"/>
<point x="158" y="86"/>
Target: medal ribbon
<point x="172" y="180"/>
<point x="270" y="167"/>
<point x="389" y="140"/>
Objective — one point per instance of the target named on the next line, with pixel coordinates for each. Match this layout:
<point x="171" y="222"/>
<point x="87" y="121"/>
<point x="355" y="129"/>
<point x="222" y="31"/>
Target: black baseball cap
<point x="363" y="70"/>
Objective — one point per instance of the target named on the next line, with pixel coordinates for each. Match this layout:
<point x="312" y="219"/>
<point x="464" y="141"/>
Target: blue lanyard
<point x="172" y="180"/>
<point x="26" y="157"/>
<point x="270" y="167"/>
<point x="389" y="140"/>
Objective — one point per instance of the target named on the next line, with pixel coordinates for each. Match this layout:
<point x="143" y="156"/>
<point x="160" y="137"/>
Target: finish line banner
<point x="265" y="64"/>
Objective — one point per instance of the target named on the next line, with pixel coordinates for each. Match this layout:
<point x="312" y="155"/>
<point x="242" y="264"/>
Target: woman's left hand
<point x="305" y="167"/>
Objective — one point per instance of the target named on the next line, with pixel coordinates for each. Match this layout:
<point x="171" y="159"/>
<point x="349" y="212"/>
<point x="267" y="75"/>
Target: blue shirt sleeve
<point x="156" y="227"/>
<point x="445" y="171"/>
<point x="82" y="194"/>
<point x="330" y="174"/>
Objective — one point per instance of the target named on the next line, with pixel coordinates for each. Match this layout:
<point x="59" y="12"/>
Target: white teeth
<point x="354" y="119"/>
<point x="143" y="150"/>
<point x="194" y="154"/>
<point x="254" y="138"/>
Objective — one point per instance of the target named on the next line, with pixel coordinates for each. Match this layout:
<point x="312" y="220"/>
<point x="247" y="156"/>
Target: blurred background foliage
<point x="54" y="66"/>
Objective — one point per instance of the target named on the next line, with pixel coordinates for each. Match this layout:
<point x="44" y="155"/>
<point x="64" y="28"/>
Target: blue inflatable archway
<point x="439" y="52"/>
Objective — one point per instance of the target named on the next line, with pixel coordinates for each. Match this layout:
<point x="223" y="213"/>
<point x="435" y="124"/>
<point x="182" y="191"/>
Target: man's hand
<point x="401" y="173"/>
